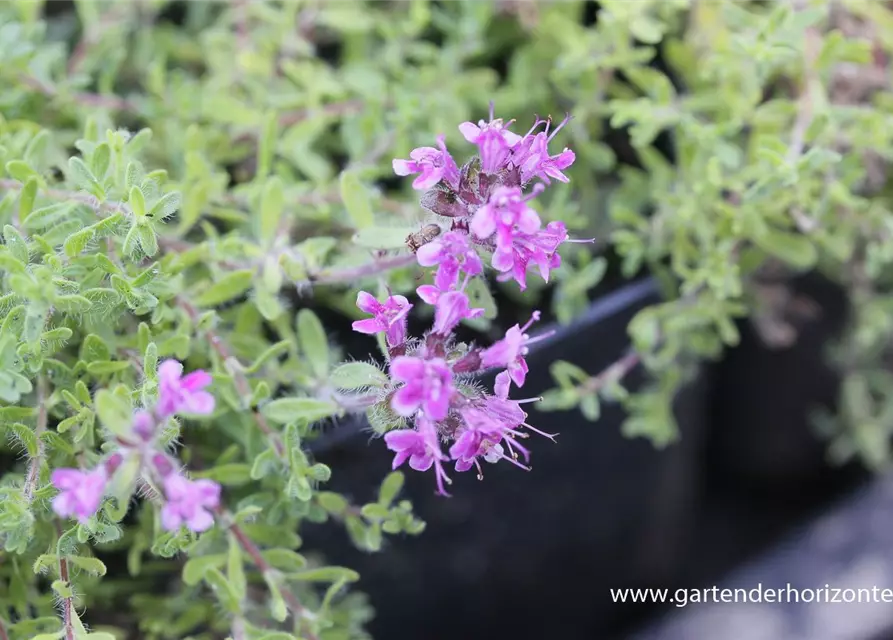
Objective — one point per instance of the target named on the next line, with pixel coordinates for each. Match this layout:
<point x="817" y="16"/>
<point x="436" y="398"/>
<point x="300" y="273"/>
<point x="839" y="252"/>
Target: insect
<point x="425" y="235"/>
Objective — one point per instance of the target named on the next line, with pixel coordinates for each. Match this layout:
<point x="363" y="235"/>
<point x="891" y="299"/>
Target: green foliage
<point x="187" y="191"/>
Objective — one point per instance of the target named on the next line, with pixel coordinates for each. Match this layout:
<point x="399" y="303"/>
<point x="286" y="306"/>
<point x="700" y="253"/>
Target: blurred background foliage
<point x="181" y="178"/>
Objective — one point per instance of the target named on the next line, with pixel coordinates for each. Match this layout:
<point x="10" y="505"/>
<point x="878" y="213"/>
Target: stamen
<point x="550" y="436"/>
<point x="567" y="119"/>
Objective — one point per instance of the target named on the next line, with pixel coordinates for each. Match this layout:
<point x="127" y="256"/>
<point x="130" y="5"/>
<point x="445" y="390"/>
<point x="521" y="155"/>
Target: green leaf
<point x="72" y="304"/>
<point x="233" y="474"/>
<point x="266" y="144"/>
<point x="99" y="163"/>
<point x="114" y="412"/>
<point x="356" y="199"/>
<point x="332" y="502"/>
<point x="284" y="410"/>
<point x="166" y="206"/>
<point x="230" y="286"/>
<point x="797" y="250"/>
<point x="284" y="559"/>
<point x="137" y="202"/>
<point x="81" y="175"/>
<point x="271" y="208"/>
<point x="196" y="567"/>
<point x="356" y="375"/>
<point x="326" y="574"/>
<point x="49" y="216"/>
<point x="19" y="170"/>
<point x="16" y="243"/>
<point x="223" y="589"/>
<point x="314" y="343"/>
<point x="93" y="566"/>
<point x="26" y="197"/>
<point x="235" y="571"/>
<point x="390" y="487"/>
<point x="383" y="237"/>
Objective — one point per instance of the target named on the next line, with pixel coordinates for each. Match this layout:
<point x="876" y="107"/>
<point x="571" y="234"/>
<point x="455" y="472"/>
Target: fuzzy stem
<point x="299" y="611"/>
<point x="614" y="371"/>
<point x="67" y="604"/>
<point x="3" y="633"/>
<point x="33" y="474"/>
<point x="243" y="387"/>
<point x="101" y="208"/>
<point x="351" y="274"/>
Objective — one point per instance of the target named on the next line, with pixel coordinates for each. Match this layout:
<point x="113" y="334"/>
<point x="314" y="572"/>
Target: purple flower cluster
<point x="487" y="203"/>
<point x="186" y="501"/>
<point x="431" y="390"/>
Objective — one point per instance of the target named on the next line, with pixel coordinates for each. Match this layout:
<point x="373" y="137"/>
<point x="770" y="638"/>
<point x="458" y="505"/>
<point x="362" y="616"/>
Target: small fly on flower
<point x="422" y="237"/>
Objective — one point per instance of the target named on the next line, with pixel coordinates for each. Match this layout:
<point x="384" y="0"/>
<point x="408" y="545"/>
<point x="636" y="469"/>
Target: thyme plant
<point x="199" y="201"/>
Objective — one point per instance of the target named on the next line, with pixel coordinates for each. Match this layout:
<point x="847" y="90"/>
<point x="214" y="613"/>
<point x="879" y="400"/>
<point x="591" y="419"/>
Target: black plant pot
<point x="532" y="555"/>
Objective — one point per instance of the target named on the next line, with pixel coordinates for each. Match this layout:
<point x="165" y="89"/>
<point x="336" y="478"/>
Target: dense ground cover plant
<point x="192" y="195"/>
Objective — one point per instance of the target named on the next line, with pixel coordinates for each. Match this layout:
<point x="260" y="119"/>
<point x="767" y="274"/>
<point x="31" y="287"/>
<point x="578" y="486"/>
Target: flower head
<point x="432" y="164"/>
<point x="189" y="502"/>
<point x="421" y="446"/>
<point x="182" y="394"/>
<point x="80" y="492"/>
<point x="388" y="316"/>
<point x="428" y="384"/>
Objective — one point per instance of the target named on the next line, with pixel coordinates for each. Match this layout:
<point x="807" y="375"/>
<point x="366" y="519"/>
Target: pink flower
<point x="432" y="164"/>
<point x="507" y="214"/>
<point x="540" y="248"/>
<point x="453" y="253"/>
<point x="422" y="447"/>
<point x="451" y="309"/>
<point x="510" y="351"/>
<point x="80" y="492"/>
<point x="427" y="384"/>
<point x="182" y="394"/>
<point x="190" y="503"/>
<point x="479" y="437"/>
<point x="389" y="317"/>
<point x="532" y="157"/>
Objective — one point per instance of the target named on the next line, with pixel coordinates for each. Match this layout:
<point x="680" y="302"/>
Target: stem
<point x="613" y="372"/>
<point x="351" y="274"/>
<point x="84" y="198"/>
<point x="243" y="387"/>
<point x="3" y="634"/>
<point x="33" y="475"/>
<point x="294" y="605"/>
<point x="67" y="604"/>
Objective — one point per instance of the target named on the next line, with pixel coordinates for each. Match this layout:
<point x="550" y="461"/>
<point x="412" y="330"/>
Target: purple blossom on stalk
<point x="432" y="164"/>
<point x="182" y="394"/>
<point x="510" y="351"/>
<point x="531" y="155"/>
<point x="189" y="502"/>
<point x="540" y="248"/>
<point x="452" y="253"/>
<point x="388" y="316"/>
<point x="479" y="438"/>
<point x="452" y="308"/>
<point x="506" y="214"/>
<point x="428" y="384"/>
<point x="80" y="492"/>
<point x="421" y="447"/>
